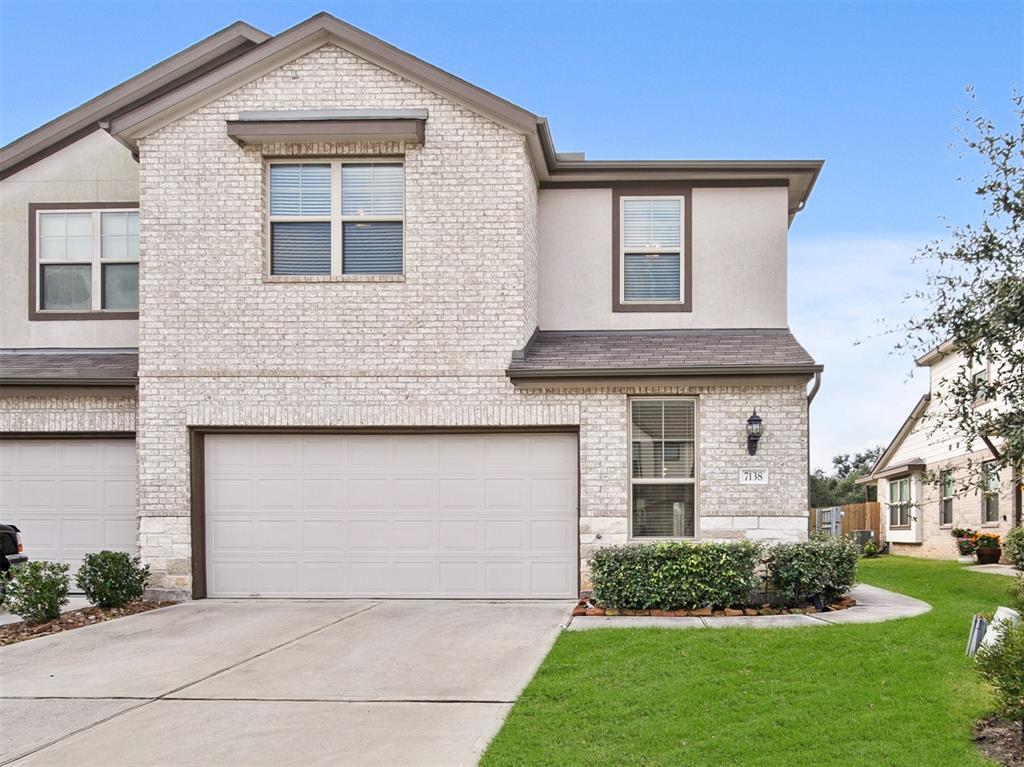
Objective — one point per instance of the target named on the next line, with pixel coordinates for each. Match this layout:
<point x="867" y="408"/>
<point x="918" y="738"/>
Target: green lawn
<point x="896" y="693"/>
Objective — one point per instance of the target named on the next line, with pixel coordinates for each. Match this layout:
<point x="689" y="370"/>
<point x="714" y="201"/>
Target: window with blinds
<point x="663" y="472"/>
<point x="651" y="247"/>
<point x="337" y="217"/>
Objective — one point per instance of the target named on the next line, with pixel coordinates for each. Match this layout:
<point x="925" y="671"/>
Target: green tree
<point x="974" y="294"/>
<point x="839" y="487"/>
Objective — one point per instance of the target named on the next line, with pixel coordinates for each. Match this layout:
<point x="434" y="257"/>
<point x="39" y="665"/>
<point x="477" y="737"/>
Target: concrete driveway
<point x="274" y="682"/>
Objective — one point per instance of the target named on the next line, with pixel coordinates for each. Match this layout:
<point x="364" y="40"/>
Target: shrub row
<point x="37" y="591"/>
<point x="679" y="575"/>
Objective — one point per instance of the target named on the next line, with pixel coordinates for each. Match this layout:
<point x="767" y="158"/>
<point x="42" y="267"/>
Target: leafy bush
<point x="37" y="591"/>
<point x="966" y="546"/>
<point x="112" y="578"/>
<point x="675" y="575"/>
<point x="1017" y="594"/>
<point x="871" y="549"/>
<point x="1002" y="665"/>
<point x="1013" y="546"/>
<point x="822" y="568"/>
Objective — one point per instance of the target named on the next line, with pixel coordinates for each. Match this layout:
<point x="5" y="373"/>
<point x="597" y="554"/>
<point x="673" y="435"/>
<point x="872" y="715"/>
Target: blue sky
<point x="871" y="87"/>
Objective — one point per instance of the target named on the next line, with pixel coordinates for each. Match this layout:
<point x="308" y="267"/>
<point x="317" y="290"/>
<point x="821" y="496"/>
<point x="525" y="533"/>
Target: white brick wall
<point x="219" y="345"/>
<point x="67" y="413"/>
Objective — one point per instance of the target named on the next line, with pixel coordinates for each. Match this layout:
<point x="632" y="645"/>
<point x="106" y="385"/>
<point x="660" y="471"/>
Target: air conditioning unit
<point x="861" y="537"/>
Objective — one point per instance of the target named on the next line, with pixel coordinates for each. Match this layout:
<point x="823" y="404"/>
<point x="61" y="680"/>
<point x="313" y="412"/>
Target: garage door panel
<point x="70" y="496"/>
<point x="425" y="515"/>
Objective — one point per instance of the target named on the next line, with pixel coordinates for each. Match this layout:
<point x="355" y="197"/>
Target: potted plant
<point x="965" y="544"/>
<point x="989" y="550"/>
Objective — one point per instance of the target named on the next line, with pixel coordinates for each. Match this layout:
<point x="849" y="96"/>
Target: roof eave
<point x="524" y="374"/>
<point x="87" y="117"/>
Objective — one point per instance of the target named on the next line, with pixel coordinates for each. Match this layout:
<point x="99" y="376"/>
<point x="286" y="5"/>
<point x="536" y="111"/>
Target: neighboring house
<point x="927" y="476"/>
<point x="303" y="315"/>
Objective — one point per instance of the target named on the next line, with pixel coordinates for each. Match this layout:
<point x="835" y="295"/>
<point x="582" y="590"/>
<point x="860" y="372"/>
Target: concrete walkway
<point x="274" y="682"/>
<point x="74" y="603"/>
<point x="1008" y="570"/>
<point x="874" y="605"/>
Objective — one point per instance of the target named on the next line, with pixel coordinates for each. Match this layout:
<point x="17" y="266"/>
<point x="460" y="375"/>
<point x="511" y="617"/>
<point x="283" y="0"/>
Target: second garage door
<point x="401" y="515"/>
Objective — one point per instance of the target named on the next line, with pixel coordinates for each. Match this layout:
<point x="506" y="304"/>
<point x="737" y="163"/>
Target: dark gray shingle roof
<point x="69" y="367"/>
<point x="661" y="352"/>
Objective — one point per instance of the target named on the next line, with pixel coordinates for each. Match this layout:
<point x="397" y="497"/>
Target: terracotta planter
<point x="989" y="556"/>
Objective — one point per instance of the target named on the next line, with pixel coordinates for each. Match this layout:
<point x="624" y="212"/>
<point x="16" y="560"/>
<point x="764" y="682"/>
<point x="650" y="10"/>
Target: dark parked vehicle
<point x="11" y="551"/>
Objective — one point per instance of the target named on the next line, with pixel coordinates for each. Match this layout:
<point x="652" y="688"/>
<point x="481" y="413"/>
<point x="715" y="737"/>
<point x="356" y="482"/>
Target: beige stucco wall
<point x="739" y="261"/>
<point x="226" y="348"/>
<point x="95" y="168"/>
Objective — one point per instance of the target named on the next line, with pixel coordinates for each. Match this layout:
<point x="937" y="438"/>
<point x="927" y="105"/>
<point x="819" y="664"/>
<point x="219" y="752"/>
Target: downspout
<point x="810" y="398"/>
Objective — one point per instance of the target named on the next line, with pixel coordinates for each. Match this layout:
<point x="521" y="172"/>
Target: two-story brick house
<point x="928" y="476"/>
<point x="388" y="341"/>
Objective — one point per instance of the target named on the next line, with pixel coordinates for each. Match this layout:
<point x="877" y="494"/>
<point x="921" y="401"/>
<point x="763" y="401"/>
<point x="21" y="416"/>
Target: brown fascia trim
<point x="34" y="313"/>
<point x="156" y="81"/>
<point x="934" y="355"/>
<point x="102" y="383"/>
<point x="522" y="374"/>
<point x="896" y="471"/>
<point x="904" y="430"/>
<point x="245" y="132"/>
<point x="654" y="189"/>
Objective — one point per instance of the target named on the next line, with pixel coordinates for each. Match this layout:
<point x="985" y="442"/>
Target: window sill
<point x="991" y="524"/>
<point x="946" y="527"/>
<point x="901" y="527"/>
<point x="317" y="278"/>
<point x="36" y="315"/>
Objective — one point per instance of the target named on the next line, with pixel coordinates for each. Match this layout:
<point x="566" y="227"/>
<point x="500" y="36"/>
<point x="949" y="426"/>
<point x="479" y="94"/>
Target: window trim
<point x="35" y="313"/>
<point x="336" y="219"/>
<point x="909" y="502"/>
<point x="986" y="494"/>
<point x="944" y="476"/>
<point x="648" y="190"/>
<point x="695" y="482"/>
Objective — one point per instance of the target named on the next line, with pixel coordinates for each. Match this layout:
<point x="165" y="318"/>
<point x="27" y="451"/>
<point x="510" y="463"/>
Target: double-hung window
<point x="87" y="260"/>
<point x="336" y="217"/>
<point x="663" y="468"/>
<point x="946" y="502"/>
<point x="651" y="249"/>
<point x="899" y="502"/>
<point x="990" y="508"/>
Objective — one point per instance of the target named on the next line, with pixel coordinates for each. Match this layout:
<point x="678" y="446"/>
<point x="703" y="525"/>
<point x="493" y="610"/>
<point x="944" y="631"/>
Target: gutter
<point x="719" y="370"/>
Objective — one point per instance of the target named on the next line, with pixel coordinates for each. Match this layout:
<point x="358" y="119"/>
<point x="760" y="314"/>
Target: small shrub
<point x="1013" y="546"/>
<point x="1002" y="665"/>
<point x="112" y="578"/>
<point x="871" y="549"/>
<point x="675" y="575"/>
<point x="1017" y="594"/>
<point x="966" y="546"/>
<point x="37" y="591"/>
<point x="823" y="568"/>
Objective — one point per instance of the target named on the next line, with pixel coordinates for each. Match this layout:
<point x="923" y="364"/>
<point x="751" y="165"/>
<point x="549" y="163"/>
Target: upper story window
<point x="651" y="266"/>
<point x="85" y="261"/>
<point x="336" y="217"/>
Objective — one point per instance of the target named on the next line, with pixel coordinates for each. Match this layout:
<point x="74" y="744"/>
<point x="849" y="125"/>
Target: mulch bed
<point x="589" y="607"/>
<point x="19" y="632"/>
<point x="1000" y="741"/>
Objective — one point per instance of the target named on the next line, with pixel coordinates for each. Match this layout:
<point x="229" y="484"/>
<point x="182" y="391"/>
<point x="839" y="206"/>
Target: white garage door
<point x="425" y="515"/>
<point x="69" y="497"/>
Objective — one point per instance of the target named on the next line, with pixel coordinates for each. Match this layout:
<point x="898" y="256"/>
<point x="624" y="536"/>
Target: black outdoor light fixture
<point x="755" y="428"/>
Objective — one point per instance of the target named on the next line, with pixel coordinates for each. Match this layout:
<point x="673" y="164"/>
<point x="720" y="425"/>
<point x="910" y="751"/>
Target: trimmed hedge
<point x="675" y="575"/>
<point x="37" y="590"/>
<point x="112" y="578"/>
<point x="823" y="568"/>
<point x="1013" y="546"/>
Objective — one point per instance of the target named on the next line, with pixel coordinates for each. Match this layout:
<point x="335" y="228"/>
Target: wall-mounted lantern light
<point x="755" y="428"/>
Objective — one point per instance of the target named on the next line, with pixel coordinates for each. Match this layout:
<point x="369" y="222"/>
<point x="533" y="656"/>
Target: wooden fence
<point x="843" y="520"/>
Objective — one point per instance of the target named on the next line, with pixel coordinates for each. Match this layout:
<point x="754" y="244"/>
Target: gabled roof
<point x="158" y="80"/>
<point x="879" y="469"/>
<point x="141" y="108"/>
<point x="645" y="353"/>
